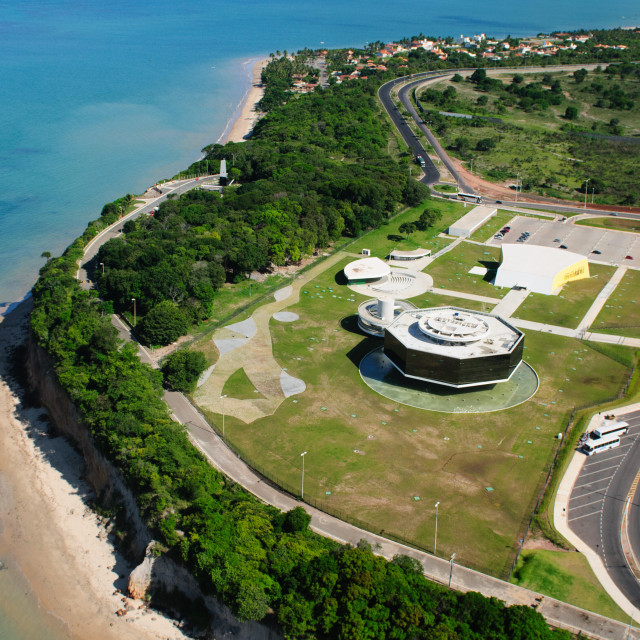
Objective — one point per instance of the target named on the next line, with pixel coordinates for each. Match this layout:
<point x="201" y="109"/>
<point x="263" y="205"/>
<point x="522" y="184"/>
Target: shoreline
<point x="246" y="115"/>
<point x="59" y="567"/>
<point x="51" y="541"/>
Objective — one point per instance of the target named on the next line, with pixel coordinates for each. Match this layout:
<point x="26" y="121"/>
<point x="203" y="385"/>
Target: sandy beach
<point x="49" y="537"/>
<point x="249" y="114"/>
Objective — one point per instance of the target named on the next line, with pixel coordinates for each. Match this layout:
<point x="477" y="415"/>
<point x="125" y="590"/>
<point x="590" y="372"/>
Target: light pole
<point x="453" y="555"/>
<point x="517" y="181"/>
<point x="303" y="454"/>
<point x="586" y="189"/>
<point x="134" y="311"/>
<point x="435" y="535"/>
<point x="222" y="398"/>
<point x="102" y="265"/>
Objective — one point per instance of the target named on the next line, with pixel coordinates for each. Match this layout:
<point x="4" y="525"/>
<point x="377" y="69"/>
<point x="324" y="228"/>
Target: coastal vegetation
<point x="315" y="170"/>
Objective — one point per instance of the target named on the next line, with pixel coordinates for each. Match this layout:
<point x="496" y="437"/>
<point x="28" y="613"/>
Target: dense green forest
<point x="315" y="169"/>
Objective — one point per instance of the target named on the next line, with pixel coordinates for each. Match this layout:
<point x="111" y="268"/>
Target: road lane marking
<point x="588" y="504"/>
<point x="586" y="515"/>
<point x="590" y="473"/>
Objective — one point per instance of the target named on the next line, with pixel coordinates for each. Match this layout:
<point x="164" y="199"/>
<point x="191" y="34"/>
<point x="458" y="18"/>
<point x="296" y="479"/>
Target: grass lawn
<point x="568" y="577"/>
<point x="388" y="237"/>
<point x="621" y="314"/>
<point x="384" y="465"/>
<point x="569" y="306"/>
<point x="438" y="300"/>
<point x="446" y="188"/>
<point x="451" y="270"/>
<point x="238" y="385"/>
<point x="492" y="226"/>
<point x="620" y="224"/>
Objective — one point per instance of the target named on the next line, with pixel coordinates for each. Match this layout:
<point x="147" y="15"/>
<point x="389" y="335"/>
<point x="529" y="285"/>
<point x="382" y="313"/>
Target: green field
<point x="490" y="228"/>
<point x="451" y="270"/>
<point x="616" y="223"/>
<point x="239" y="386"/>
<point x="569" y="306"/>
<point x="534" y="141"/>
<point x="621" y="313"/>
<point x="384" y="465"/>
<point x="568" y="577"/>
<point x="388" y="237"/>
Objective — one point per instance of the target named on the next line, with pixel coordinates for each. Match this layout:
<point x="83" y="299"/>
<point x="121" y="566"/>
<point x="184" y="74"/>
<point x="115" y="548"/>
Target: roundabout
<point x="381" y="376"/>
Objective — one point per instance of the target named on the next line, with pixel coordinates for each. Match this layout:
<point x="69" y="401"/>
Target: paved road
<point x="431" y="174"/>
<point x="597" y="502"/>
<point x="88" y="266"/>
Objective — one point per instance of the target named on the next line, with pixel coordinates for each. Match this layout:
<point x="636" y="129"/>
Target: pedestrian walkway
<point x="601" y="299"/>
<point x="510" y="303"/>
<point x="437" y="569"/>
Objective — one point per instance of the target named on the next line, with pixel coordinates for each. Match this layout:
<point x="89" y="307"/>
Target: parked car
<point x="498" y="236"/>
<point x="563" y="246"/>
<point x="628" y="257"/>
<point x="597" y="251"/>
<point x="498" y="201"/>
<point x="557" y="240"/>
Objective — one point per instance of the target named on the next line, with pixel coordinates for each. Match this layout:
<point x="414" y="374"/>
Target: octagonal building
<point x="453" y="347"/>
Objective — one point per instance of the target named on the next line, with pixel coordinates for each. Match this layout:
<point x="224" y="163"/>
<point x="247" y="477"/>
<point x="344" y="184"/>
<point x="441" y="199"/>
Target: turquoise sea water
<point x="104" y="98"/>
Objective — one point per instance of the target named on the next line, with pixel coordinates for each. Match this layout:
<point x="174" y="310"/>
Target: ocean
<point x="100" y="99"/>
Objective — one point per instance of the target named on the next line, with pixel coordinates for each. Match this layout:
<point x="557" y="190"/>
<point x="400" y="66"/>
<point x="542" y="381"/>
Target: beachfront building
<point x="539" y="269"/>
<point x="367" y="271"/>
<point x="376" y="314"/>
<point x="466" y="226"/>
<point x="453" y="347"/>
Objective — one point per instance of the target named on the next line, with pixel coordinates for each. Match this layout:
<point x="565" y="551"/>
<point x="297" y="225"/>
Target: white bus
<point x="469" y="197"/>
<point x="601" y="444"/>
<point x="618" y="427"/>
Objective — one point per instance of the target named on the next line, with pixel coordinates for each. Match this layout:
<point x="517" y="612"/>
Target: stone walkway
<point x="247" y="345"/>
<point x="601" y="299"/>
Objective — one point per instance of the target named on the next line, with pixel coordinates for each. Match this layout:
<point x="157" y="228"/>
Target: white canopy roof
<point x="367" y="269"/>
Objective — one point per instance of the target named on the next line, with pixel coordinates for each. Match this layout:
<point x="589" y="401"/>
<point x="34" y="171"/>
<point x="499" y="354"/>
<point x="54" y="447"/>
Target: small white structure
<point x="472" y="221"/>
<point x="539" y="269"/>
<point x="366" y="252"/>
<point x="367" y="270"/>
<point x="415" y="254"/>
<point x="375" y="314"/>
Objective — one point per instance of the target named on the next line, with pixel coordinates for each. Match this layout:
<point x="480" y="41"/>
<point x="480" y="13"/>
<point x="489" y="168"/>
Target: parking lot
<point x="598" y="245"/>
<point x="605" y="477"/>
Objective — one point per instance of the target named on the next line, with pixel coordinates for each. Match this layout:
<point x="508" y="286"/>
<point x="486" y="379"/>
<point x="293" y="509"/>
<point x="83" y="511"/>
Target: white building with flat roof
<point x="468" y="224"/>
<point x="539" y="269"/>
<point x="367" y="270"/>
<point x="414" y="254"/>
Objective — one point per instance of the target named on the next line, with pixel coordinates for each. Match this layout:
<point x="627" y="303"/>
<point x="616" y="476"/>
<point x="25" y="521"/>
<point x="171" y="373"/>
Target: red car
<point x="628" y="257"/>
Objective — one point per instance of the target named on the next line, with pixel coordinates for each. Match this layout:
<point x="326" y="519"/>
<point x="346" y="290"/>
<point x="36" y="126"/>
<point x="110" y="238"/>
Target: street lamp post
<point x="586" y="189"/>
<point x="435" y="535"/>
<point x="517" y="181"/>
<point x="303" y="454"/>
<point x="222" y="398"/>
<point x="102" y="265"/>
<point x="453" y="555"/>
<point x="134" y="311"/>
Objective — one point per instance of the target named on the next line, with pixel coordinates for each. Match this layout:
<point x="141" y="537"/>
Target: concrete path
<point x="510" y="303"/>
<point x="467" y="296"/>
<point x="247" y="345"/>
<point x="440" y="570"/>
<point x="601" y="299"/>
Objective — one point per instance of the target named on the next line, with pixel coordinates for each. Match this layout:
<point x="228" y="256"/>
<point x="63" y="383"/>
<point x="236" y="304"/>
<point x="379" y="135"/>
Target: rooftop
<point x="455" y="332"/>
<point x="367" y="269"/>
<point x="531" y="258"/>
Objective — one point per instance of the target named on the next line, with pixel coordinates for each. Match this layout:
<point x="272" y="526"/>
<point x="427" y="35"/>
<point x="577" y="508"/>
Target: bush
<point x="165" y="323"/>
<point x="571" y="113"/>
<point x="182" y="369"/>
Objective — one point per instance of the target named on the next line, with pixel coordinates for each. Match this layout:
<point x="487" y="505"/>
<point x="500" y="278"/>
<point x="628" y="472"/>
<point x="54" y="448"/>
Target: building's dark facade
<point x="457" y="372"/>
